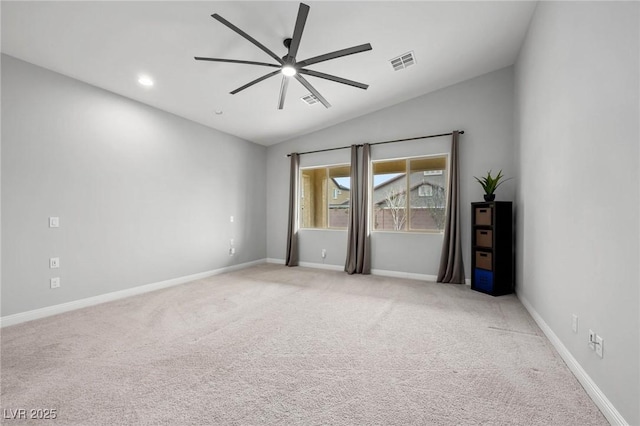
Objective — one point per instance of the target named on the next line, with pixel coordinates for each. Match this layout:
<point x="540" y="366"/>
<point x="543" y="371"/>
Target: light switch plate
<point x="54" y="222"/>
<point x="55" y="282"/>
<point x="599" y="346"/>
<point x="54" y="262"/>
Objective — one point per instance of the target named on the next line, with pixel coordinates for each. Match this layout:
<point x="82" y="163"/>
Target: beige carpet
<point x="288" y="346"/>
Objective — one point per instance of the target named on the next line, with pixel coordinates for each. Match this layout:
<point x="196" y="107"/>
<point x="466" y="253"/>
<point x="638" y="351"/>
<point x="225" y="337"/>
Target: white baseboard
<point x="599" y="398"/>
<point x="309" y="264"/>
<point x="108" y="297"/>
<point x="321" y="266"/>
<point x="408" y="275"/>
<point x="381" y="272"/>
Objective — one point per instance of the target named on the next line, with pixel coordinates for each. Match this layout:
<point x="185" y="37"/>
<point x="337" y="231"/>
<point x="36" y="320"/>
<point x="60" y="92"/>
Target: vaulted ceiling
<point x="110" y="44"/>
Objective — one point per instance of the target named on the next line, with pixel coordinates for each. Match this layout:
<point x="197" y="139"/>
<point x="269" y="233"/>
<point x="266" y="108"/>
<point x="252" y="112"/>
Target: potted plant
<point x="490" y="184"/>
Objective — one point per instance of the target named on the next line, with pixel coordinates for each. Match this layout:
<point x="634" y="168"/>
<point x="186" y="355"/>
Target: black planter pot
<point x="489" y="197"/>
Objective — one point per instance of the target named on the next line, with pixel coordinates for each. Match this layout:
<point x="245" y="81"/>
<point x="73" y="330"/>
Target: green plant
<point x="490" y="183"/>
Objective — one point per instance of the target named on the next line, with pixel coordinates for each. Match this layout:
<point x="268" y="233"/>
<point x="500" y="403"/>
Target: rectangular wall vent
<point x="403" y="61"/>
<point x="309" y="99"/>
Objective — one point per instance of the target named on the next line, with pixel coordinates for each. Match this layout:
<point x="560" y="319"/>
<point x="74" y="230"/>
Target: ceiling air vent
<point x="403" y="61"/>
<point x="309" y="99"/>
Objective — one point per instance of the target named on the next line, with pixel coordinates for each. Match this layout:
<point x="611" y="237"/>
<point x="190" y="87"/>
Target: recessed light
<point x="145" y="81"/>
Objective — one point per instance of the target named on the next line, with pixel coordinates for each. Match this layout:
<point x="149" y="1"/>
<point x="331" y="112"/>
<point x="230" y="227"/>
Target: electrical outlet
<point x="231" y="219"/>
<point x="54" y="262"/>
<point x="55" y="282"/>
<point x="231" y="242"/>
<point x="574" y="323"/>
<point x="592" y="340"/>
<point x="324" y="253"/>
<point x="599" y="346"/>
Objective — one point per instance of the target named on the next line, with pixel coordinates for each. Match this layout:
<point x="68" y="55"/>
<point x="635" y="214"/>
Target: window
<point x="325" y="197"/>
<point x="425" y="190"/>
<point x="409" y="194"/>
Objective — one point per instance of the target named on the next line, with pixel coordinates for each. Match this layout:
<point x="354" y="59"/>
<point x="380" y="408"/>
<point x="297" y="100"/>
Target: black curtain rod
<point x="380" y="143"/>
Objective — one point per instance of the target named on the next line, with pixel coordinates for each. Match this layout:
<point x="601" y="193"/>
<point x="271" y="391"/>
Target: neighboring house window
<point x="425" y="190"/>
<point x="409" y="194"/>
<point x="325" y="197"/>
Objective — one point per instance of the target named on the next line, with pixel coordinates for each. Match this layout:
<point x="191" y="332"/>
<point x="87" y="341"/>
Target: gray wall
<point x="578" y="204"/>
<point x="143" y="196"/>
<point x="482" y="107"/>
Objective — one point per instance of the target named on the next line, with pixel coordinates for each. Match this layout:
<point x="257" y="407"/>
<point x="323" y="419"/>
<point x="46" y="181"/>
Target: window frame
<point x="407" y="206"/>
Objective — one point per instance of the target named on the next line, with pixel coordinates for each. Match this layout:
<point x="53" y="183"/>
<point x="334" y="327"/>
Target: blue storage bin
<point x="483" y="280"/>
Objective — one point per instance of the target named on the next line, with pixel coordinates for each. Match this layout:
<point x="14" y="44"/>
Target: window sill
<point x="425" y="232"/>
<point x="323" y="229"/>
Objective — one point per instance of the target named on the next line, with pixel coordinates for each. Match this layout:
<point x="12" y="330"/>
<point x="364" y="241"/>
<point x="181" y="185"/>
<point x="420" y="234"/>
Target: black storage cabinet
<point x="492" y="257"/>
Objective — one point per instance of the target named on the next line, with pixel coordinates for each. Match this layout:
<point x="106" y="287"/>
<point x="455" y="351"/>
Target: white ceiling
<point x="109" y="44"/>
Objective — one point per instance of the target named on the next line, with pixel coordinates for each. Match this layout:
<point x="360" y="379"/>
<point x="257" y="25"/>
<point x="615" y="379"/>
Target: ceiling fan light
<point x="145" y="80"/>
<point x="289" y="71"/>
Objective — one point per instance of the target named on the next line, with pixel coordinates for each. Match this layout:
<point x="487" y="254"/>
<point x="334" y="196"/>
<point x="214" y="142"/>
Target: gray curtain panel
<point x="451" y="266"/>
<point x="358" y="241"/>
<point x="363" y="264"/>
<point x="292" y="232"/>
<point x="350" y="265"/>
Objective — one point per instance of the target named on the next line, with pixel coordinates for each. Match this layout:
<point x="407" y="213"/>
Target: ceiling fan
<point x="288" y="66"/>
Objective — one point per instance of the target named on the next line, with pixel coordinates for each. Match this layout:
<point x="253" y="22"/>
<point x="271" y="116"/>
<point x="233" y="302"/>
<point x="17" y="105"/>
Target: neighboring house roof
<point x="399" y="184"/>
<point x="340" y="187"/>
<point x="389" y="182"/>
